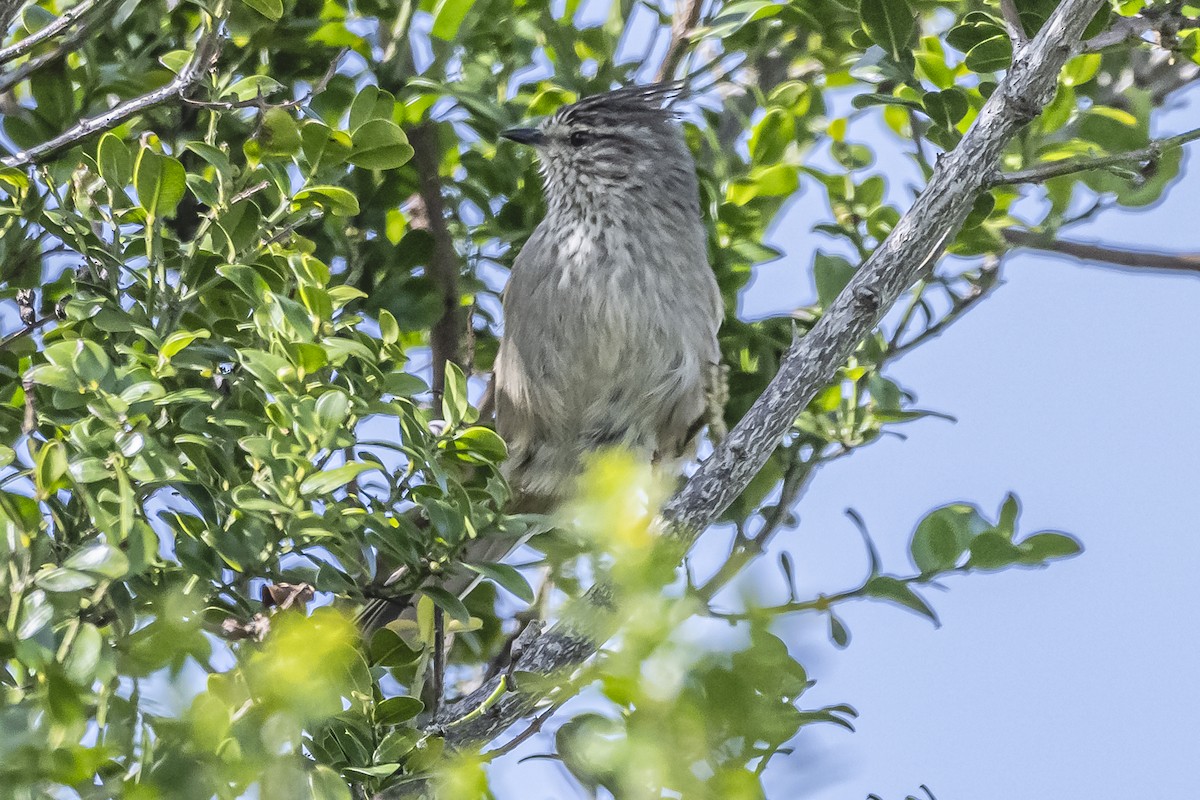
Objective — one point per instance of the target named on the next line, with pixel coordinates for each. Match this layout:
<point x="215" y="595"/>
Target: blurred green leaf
<point x="891" y="24"/>
<point x="507" y="577"/>
<point x="271" y="9"/>
<point x="448" y="16"/>
<point x="331" y="480"/>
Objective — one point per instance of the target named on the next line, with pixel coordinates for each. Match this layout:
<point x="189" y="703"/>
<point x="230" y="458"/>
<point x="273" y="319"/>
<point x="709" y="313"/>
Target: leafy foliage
<point x="212" y="406"/>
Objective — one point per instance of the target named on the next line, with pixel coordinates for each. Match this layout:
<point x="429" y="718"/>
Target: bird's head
<point x="624" y="139"/>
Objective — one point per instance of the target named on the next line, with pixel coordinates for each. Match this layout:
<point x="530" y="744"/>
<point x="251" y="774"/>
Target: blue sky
<point x="1074" y="387"/>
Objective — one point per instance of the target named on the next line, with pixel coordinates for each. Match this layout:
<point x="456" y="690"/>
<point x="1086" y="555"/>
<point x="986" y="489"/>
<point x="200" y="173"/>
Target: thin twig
<point x="512" y="744"/>
<point x="288" y="229"/>
<point x="988" y="281"/>
<point x="1013" y="24"/>
<point x="207" y="50"/>
<point x="248" y="192"/>
<point x="687" y="14"/>
<point x="257" y="102"/>
<point x="1126" y="29"/>
<point x="825" y="601"/>
<point x="746" y="549"/>
<point x="439" y="657"/>
<point x="25" y="331"/>
<point x="1056" y="169"/>
<point x="69" y="18"/>
<point x="1105" y="254"/>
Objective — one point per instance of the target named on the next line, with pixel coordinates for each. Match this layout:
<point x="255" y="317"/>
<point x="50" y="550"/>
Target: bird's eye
<point x="580" y="138"/>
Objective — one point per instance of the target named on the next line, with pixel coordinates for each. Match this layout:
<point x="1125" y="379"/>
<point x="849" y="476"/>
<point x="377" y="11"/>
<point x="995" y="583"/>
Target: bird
<point x="611" y="311"/>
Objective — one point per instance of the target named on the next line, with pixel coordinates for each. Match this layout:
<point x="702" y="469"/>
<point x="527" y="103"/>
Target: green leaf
<point x="1081" y="69"/>
<point x="324" y="147"/>
<point x="332" y="409"/>
<point x="99" y="558"/>
<point x="271" y="9"/>
<point x="365" y="104"/>
<point x="251" y="87"/>
<point x="50" y="469"/>
<point x="897" y="591"/>
<point x="160" y="181"/>
<point x="876" y="99"/>
<point x="403" y="384"/>
<point x="278" y="134"/>
<point x="946" y="108"/>
<point x="448" y="603"/>
<point x="84" y="656"/>
<point x="326" y="784"/>
<point x="61" y="579"/>
<point x="448" y="16"/>
<point x="976" y="27"/>
<point x="36" y="612"/>
<point x="396" y="745"/>
<point x="331" y="480"/>
<point x="831" y="274"/>
<point x="53" y="93"/>
<point x="771" y="136"/>
<point x="338" y="201"/>
<point x="373" y="771"/>
<point x="943" y="536"/>
<point x="179" y="340"/>
<point x="175" y="60"/>
<point x="395" y="710"/>
<point x="891" y="24"/>
<point x="456" y="408"/>
<point x="734" y="16"/>
<point x="379" y="144"/>
<point x="1009" y="511"/>
<point x="507" y="577"/>
<point x="838" y="633"/>
<point x="990" y="55"/>
<point x="247" y="280"/>
<point x="388" y="649"/>
<point x="483" y="442"/>
<point x="1046" y="546"/>
<point x="991" y="550"/>
<point x="114" y="160"/>
<point x="389" y="329"/>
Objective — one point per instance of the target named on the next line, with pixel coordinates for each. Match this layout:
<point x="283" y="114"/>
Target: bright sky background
<point x="1073" y="386"/>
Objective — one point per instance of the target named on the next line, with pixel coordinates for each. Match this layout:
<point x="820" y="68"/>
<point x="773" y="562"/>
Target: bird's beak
<point x="530" y="136"/>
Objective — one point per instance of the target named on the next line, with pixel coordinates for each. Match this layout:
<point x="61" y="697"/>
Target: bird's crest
<point x="652" y="100"/>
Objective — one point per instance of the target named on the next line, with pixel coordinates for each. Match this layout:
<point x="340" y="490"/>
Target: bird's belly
<point x="639" y="365"/>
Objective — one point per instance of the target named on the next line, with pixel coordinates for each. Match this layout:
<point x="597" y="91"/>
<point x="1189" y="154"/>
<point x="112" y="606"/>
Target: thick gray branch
<point x="917" y="240"/>
<point x="68" y="45"/>
<point x="59" y="25"/>
<point x="206" y="53"/>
